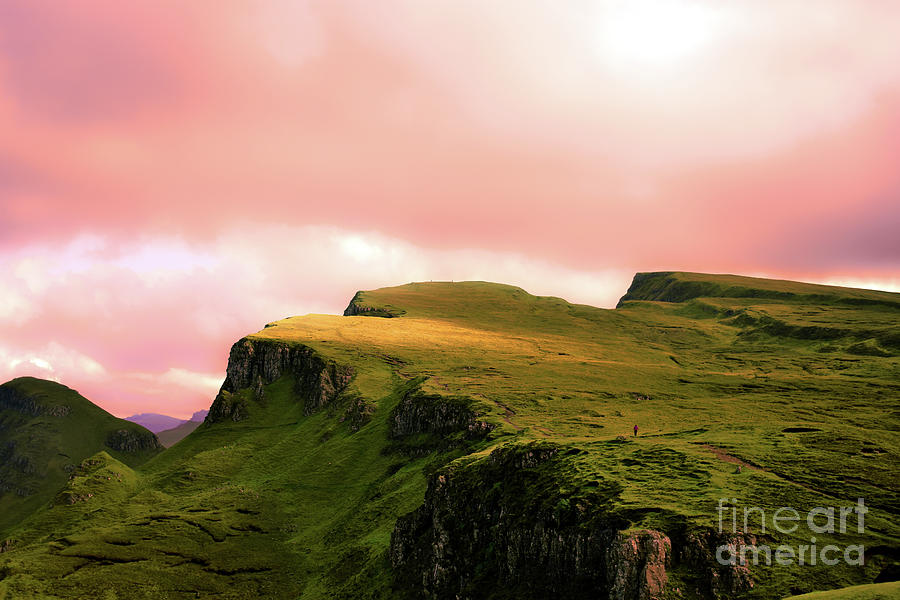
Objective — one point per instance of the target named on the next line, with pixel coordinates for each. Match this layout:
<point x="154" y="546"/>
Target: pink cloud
<point x="454" y="130"/>
<point x="150" y="321"/>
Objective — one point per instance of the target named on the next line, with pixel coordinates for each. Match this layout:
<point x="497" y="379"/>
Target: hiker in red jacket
<point x="635" y="431"/>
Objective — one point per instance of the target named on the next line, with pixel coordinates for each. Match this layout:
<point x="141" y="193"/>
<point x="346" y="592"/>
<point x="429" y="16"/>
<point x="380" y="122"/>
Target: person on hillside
<point x="635" y="430"/>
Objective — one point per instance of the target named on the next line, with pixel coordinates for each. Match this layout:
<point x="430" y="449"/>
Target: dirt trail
<point x="722" y="455"/>
<point x="508" y="413"/>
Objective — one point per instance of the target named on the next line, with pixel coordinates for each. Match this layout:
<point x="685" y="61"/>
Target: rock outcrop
<point x="359" y="308"/>
<point x="254" y="363"/>
<point x="495" y="524"/>
<point x="697" y="551"/>
<point x="227" y="406"/>
<point x="133" y="440"/>
<point x="501" y="523"/>
<point x="419" y="412"/>
<point x="358" y="413"/>
<point x="636" y="564"/>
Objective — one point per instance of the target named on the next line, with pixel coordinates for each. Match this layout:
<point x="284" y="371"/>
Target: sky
<point x="175" y="175"/>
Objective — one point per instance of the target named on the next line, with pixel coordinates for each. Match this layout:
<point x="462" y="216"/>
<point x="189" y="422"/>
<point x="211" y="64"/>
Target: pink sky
<point x="175" y="175"/>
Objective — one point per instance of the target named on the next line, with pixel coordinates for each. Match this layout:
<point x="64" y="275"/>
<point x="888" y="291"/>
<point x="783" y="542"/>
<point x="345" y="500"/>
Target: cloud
<point x="497" y="126"/>
<point x="769" y="73"/>
<point x="150" y="320"/>
<point x="203" y="383"/>
<point x="14" y="307"/>
<point x="887" y="285"/>
<point x="51" y="361"/>
<point x="173" y="176"/>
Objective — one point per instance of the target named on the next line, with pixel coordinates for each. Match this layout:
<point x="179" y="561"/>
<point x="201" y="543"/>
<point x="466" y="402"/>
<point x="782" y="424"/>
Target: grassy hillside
<point x="679" y="286"/>
<point x="170" y="437"/>
<point x="523" y="407"/>
<point x="46" y="430"/>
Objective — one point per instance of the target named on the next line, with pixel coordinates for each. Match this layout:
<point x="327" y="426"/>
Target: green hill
<point x="679" y="286"/>
<point x="46" y="430"/>
<point x="477" y="443"/>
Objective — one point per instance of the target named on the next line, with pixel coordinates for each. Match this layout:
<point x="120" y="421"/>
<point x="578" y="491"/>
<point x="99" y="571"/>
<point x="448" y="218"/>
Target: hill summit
<point x="46" y="430"/>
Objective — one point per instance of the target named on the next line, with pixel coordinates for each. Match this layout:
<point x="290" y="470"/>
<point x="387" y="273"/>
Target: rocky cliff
<point x="501" y="524"/>
<point x="446" y="418"/>
<point x="133" y="440"/>
<point x="255" y="363"/>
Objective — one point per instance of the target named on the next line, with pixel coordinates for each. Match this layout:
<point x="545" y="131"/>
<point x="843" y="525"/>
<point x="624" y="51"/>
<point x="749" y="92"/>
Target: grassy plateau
<point x="767" y="393"/>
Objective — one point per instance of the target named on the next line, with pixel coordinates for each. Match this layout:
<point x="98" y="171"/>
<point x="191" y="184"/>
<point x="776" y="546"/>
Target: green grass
<point x="877" y="591"/>
<point x="797" y="382"/>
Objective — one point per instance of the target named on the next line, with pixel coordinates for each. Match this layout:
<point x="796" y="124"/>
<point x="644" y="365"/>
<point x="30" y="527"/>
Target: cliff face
<point x="493" y="525"/>
<point x="636" y="564"/>
<point x="502" y="524"/>
<point x="418" y="412"/>
<point x="697" y="552"/>
<point x="254" y="363"/>
<point x="133" y="440"/>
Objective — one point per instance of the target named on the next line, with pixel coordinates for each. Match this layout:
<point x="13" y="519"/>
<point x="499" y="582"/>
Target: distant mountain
<point x="155" y="422"/>
<point x="158" y="423"/>
<point x="46" y="431"/>
<point x="169" y="429"/>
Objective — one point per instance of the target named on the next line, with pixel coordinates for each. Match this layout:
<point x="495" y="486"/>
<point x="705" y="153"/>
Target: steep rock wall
<point x="254" y="363"/>
<point x="133" y="440"/>
<point x="501" y="528"/>
<point x="474" y="535"/>
<point x="418" y="412"/>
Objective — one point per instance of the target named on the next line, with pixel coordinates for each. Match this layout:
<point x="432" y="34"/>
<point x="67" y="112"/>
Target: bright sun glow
<point x="650" y="33"/>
